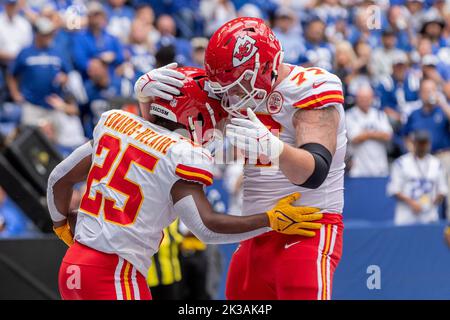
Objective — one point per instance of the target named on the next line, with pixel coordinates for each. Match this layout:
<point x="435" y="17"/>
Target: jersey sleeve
<point x="195" y="164"/>
<point x="320" y="90"/>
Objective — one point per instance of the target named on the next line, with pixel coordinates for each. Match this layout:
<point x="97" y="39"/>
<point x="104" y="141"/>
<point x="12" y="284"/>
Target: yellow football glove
<point x="288" y="219"/>
<point x="63" y="232"/>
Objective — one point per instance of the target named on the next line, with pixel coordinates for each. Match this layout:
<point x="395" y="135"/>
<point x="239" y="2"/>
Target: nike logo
<point x="316" y="85"/>
<point x="148" y="81"/>
<point x="287" y="246"/>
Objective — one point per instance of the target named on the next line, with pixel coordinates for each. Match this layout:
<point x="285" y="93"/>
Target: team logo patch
<point x="244" y="50"/>
<point x="274" y="102"/>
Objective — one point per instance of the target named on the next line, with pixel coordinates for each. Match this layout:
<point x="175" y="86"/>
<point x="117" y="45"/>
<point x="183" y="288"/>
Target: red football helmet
<point x="241" y="61"/>
<point x="193" y="108"/>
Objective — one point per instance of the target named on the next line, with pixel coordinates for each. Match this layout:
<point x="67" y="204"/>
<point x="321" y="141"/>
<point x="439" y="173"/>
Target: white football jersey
<point x="264" y="185"/>
<point x="127" y="203"/>
<point x="421" y="180"/>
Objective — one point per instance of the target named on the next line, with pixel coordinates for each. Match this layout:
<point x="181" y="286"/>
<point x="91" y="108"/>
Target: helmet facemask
<point x="242" y="93"/>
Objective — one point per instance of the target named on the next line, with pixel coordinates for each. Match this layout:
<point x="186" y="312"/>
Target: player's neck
<point x="283" y="72"/>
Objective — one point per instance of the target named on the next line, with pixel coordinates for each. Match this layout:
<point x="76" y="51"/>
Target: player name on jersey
<point x="126" y="125"/>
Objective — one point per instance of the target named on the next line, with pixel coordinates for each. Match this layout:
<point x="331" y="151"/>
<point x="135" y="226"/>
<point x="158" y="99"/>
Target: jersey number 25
<point x="117" y="182"/>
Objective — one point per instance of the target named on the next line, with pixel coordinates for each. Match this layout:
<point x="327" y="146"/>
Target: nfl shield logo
<point x="274" y="102"/>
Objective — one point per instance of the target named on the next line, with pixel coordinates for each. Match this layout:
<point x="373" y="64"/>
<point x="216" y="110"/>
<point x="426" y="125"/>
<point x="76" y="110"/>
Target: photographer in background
<point x="418" y="181"/>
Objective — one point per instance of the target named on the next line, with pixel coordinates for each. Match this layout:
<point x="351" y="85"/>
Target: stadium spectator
<point x="318" y="52"/>
<point x="433" y="117"/>
<point x="369" y="132"/>
<point x="288" y="31"/>
<point x="198" y="51"/>
<point x="422" y="49"/>
<point x="382" y="57"/>
<point x="101" y="88"/>
<point x="167" y="28"/>
<point x="398" y="20"/>
<point x="361" y="74"/>
<point x="345" y="67"/>
<point x="62" y="39"/>
<point x="96" y="42"/>
<point x="120" y="17"/>
<point x="399" y="92"/>
<point x="215" y="13"/>
<point x="250" y="10"/>
<point x="188" y="18"/>
<point x="432" y="28"/>
<point x="418" y="181"/>
<point x="416" y="12"/>
<point x="360" y="30"/>
<point x="432" y="69"/>
<point x="15" y="32"/>
<point x="330" y="12"/>
<point x="138" y="53"/>
<point x="39" y="72"/>
<point x="146" y="15"/>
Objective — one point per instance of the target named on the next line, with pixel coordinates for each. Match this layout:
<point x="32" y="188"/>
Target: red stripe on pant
<point x="88" y="274"/>
<point x="278" y="266"/>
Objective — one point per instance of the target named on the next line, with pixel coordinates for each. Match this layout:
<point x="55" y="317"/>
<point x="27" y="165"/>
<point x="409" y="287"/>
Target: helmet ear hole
<point x="200" y="118"/>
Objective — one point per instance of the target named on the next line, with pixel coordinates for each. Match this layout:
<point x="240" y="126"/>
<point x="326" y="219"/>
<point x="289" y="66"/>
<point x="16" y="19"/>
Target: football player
<point x="289" y="121"/>
<point x="141" y="174"/>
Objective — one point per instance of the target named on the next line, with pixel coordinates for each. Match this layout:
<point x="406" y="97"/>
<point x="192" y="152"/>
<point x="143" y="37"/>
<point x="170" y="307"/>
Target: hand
<point x="162" y="82"/>
<point x="56" y="102"/>
<point x="61" y="78"/>
<point x="64" y="233"/>
<point x="253" y="137"/>
<point x="107" y="57"/>
<point x="288" y="219"/>
<point x="415" y="206"/>
<point x="18" y="98"/>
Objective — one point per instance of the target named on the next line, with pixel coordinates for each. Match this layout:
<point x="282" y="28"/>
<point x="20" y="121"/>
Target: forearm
<point x="403" y="198"/>
<point x="308" y="163"/>
<point x="228" y="230"/>
<point x="222" y="223"/>
<point x="13" y="87"/>
<point x="296" y="164"/>
<point x="380" y="136"/>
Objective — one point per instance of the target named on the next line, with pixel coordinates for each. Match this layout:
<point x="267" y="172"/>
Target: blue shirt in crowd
<point x="435" y="122"/>
<point x="36" y="69"/>
<point x="87" y="46"/>
<point x="141" y="59"/>
<point x="392" y="91"/>
<point x="321" y="55"/>
<point x="98" y="100"/>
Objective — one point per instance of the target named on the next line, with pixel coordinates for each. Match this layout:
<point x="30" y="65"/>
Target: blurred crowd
<point x="64" y="62"/>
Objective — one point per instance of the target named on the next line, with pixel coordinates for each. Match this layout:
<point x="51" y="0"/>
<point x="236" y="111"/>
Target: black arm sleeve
<point x="322" y="160"/>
